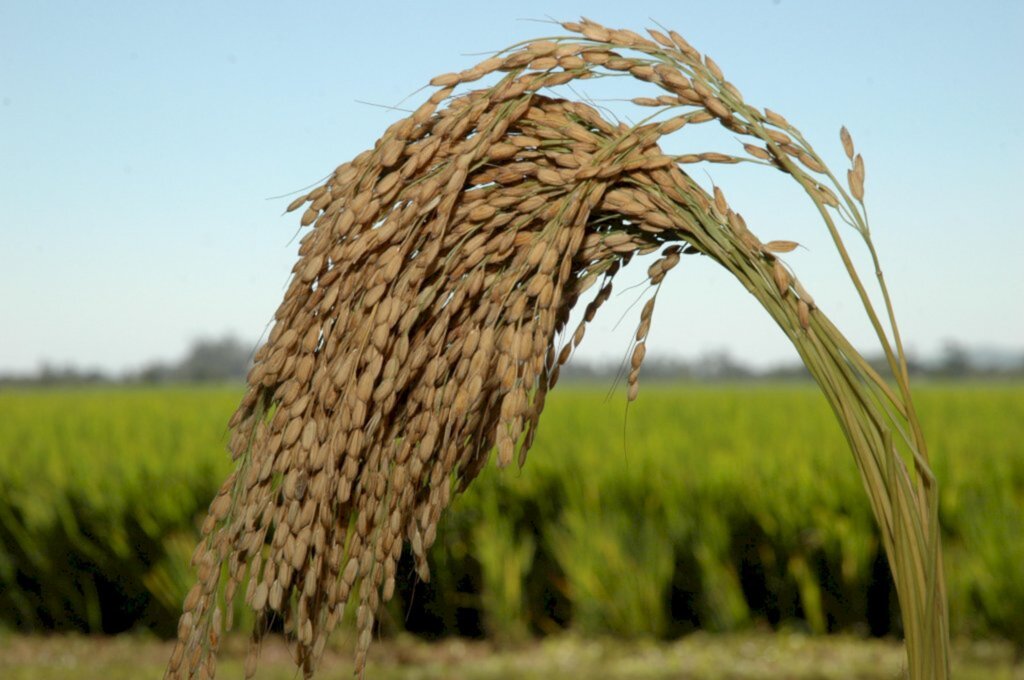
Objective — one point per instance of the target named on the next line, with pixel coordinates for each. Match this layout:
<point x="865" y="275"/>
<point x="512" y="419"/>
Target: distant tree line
<point x="207" y="360"/>
<point x="954" y="362"/>
<point x="223" y="360"/>
<point x="228" y="359"/>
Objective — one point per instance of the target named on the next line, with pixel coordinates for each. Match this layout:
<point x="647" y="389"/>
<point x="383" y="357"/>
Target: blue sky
<point x="141" y="143"/>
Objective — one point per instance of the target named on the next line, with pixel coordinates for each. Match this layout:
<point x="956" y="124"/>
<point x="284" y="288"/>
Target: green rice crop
<point x="718" y="507"/>
<point x="101" y="490"/>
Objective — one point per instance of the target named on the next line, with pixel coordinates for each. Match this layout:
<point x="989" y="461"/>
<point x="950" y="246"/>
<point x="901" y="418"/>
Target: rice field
<point x="719" y="508"/>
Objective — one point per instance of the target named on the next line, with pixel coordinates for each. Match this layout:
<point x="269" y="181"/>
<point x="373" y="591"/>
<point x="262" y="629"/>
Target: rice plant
<point x="422" y="329"/>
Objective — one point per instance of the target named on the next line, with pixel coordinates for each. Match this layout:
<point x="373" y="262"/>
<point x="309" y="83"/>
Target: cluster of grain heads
<point x="421" y="328"/>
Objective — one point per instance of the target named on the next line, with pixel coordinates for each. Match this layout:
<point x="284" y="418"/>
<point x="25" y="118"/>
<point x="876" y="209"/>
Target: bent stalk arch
<point x="422" y="330"/>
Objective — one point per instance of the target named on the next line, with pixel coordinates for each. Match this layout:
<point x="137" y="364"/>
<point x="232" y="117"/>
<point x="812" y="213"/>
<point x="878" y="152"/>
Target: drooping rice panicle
<point x="421" y="330"/>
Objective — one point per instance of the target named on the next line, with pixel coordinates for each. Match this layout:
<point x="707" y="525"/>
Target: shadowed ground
<point x="753" y="655"/>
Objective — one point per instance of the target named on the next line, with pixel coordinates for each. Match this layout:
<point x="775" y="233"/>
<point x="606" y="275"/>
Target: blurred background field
<point x="712" y="531"/>
<point x="717" y="508"/>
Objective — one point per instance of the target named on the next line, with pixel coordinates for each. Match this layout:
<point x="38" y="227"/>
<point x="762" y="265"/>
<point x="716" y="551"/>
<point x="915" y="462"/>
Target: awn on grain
<point x="420" y="330"/>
